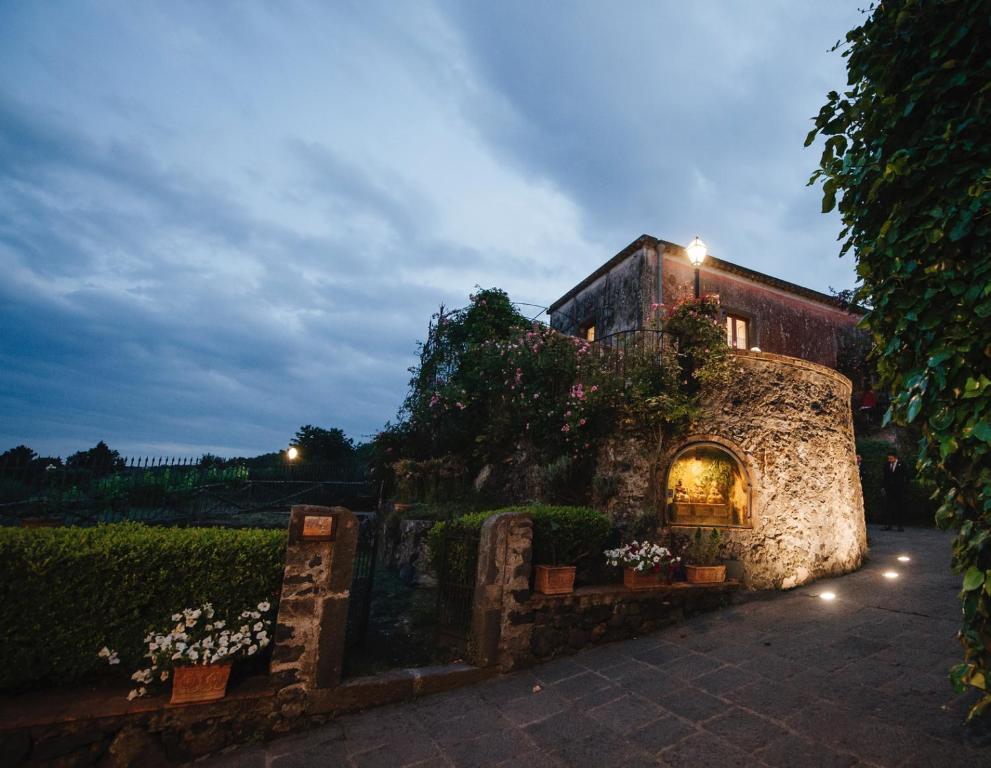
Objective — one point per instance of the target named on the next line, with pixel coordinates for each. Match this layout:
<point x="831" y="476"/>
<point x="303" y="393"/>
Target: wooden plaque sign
<point x="318" y="528"/>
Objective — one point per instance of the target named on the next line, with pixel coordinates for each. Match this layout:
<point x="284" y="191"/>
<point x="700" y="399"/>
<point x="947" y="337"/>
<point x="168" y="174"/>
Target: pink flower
<point x="461" y="406"/>
<point x="581" y="422"/>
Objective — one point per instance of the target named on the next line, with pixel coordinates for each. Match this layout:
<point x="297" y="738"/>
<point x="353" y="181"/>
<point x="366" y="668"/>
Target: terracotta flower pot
<point x="555" y="579"/>
<point x="637" y="580"/>
<point x="705" y="574"/>
<point x="203" y="682"/>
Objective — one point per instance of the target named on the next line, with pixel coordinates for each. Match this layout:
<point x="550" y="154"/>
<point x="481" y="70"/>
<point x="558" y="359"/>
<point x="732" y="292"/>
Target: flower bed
<point x="67" y="592"/>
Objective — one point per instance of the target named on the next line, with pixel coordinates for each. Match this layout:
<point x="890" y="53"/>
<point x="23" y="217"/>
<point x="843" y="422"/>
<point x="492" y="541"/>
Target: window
<point x="706" y="486"/>
<point x="737" y="332"/>
<point x="588" y="332"/>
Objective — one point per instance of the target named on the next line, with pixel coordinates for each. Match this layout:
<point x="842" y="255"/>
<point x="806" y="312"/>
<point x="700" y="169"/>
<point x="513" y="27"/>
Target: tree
<point x="21" y="456"/>
<point x="327" y="446"/>
<point x="906" y="154"/>
<point x="101" y="458"/>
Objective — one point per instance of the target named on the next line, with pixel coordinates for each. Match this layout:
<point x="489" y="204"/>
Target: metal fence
<point x="457" y="563"/>
<point x="173" y="491"/>
<point x="617" y="350"/>
<point x="362" y="582"/>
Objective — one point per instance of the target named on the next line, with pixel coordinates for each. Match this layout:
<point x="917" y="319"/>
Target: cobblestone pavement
<point x="790" y="680"/>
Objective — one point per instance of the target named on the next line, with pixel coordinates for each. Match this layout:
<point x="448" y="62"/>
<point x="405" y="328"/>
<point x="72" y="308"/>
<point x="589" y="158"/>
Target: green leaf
<point x="973" y="578"/>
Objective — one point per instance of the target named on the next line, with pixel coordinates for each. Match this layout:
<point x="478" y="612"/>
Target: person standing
<point x="894" y="492"/>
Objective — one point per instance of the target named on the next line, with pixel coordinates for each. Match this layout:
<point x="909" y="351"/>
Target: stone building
<point x="771" y="462"/>
<point x="760" y="311"/>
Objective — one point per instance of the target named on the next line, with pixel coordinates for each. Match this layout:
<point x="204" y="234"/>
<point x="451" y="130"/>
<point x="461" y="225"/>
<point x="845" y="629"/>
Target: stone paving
<point x="783" y="680"/>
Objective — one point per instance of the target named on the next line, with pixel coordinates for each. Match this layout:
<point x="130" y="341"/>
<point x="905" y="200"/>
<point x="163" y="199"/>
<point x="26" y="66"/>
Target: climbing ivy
<point x="907" y="162"/>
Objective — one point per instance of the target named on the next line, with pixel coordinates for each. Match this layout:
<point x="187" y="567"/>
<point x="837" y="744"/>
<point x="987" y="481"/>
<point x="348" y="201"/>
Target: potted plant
<point x="562" y="537"/>
<point x="645" y="564"/>
<point x="702" y="559"/>
<point x="197" y="652"/>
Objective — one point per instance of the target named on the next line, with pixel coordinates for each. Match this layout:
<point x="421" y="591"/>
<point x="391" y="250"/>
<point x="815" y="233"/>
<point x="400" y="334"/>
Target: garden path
<point x="783" y="680"/>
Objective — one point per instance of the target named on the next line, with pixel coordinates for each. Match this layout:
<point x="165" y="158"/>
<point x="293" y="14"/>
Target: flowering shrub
<point x="491" y="384"/>
<point x="198" y="637"/>
<point x="642" y="556"/>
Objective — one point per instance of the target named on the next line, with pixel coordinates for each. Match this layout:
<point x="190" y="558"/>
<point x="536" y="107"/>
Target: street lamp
<point x="696" y="254"/>
<point x="292" y="453"/>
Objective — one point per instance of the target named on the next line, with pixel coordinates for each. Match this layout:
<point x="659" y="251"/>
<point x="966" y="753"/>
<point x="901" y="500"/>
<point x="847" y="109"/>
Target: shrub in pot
<point x="562" y="538"/>
<point x="645" y="564"/>
<point x="702" y="558"/>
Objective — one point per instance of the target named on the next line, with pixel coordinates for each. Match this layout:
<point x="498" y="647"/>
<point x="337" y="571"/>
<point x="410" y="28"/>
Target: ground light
<point x="904" y="559"/>
<point x="827" y="596"/>
<point x="891" y="574"/>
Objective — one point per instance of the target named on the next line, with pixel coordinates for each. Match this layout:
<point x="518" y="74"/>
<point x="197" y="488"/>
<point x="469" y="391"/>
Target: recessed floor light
<point x="904" y="559"/>
<point x="827" y="596"/>
<point x="890" y="575"/>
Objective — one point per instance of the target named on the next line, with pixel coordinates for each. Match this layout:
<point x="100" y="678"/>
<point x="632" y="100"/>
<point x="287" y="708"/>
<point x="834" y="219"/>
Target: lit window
<point x="706" y="486"/>
<point x="737" y="335"/>
<point x="589" y="333"/>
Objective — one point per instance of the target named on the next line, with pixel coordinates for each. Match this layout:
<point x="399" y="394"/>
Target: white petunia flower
<point x="258" y="626"/>
<point x="252" y="649"/>
<point x="263" y="606"/>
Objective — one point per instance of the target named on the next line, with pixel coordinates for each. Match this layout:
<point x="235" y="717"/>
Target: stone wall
<point x="563" y="624"/>
<point x="789" y="423"/>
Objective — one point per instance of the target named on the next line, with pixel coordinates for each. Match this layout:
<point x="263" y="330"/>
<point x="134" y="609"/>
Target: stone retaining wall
<point x="564" y="624"/>
<point x="788" y="422"/>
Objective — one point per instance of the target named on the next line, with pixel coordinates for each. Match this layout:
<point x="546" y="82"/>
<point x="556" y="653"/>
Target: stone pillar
<point x="500" y="623"/>
<point x="313" y="611"/>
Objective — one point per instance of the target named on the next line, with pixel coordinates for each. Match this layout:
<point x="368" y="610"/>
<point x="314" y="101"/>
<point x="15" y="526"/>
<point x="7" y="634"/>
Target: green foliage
<point x="491" y="386"/>
<point x="703" y="549"/>
<point x="919" y="508"/>
<point x="67" y="592"/>
<point x="907" y="162"/>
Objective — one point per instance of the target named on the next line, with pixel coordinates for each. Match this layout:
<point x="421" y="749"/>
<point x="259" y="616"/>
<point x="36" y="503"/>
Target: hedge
<point x="560" y="534"/>
<point x="67" y="592"/>
<point x="919" y="509"/>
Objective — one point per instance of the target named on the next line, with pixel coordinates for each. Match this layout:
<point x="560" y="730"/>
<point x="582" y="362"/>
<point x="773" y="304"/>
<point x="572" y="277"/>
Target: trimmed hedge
<point x="67" y="592"/>
<point x="560" y="534"/>
<point x="919" y="508"/>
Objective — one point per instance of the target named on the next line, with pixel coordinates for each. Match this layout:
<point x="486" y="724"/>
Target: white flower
<point x="180" y="646"/>
<point x="262" y="641"/>
<point x="263" y="606"/>
<point x="104" y="652"/>
<point x="258" y="626"/>
<point x="193" y="655"/>
<point x="164" y="676"/>
<point x="252" y="649"/>
<point x="255" y="615"/>
<point x="176" y="616"/>
<point x="218" y="625"/>
<point x="133" y="695"/>
<point x="237" y="638"/>
<point x="208" y="627"/>
<point x="176" y="655"/>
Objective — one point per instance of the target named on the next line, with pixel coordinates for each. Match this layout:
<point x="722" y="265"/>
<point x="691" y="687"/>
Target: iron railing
<point x="172" y="491"/>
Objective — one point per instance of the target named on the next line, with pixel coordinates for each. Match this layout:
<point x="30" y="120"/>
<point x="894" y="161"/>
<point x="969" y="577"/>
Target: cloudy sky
<point x="220" y="221"/>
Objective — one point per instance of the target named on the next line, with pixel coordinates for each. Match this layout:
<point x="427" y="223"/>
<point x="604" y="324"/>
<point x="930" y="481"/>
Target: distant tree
<point x="21" y="456"/>
<point x="907" y="162"/>
<point x="100" y="458"/>
<point x="326" y="446"/>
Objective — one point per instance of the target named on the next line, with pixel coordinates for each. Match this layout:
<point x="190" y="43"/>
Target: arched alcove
<point x="707" y="485"/>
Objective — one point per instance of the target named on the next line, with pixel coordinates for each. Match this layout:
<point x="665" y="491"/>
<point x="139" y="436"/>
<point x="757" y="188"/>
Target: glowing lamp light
<point x="292" y="453"/>
<point x="891" y="574"/>
<point x="827" y="596"/>
<point x="904" y="559"/>
<point x="697" y="251"/>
